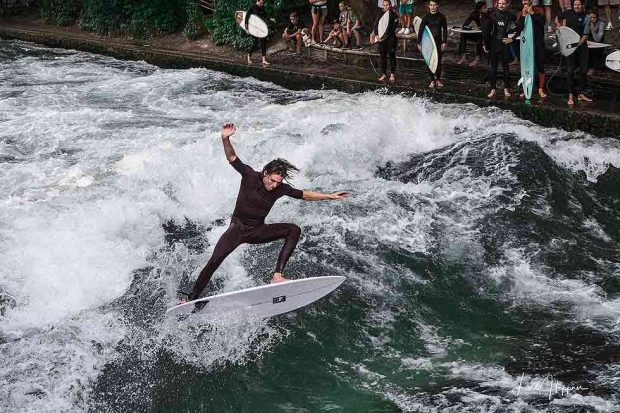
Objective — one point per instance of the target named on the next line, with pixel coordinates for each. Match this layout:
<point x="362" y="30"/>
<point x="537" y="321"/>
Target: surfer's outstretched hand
<point x="228" y="130"/>
<point x="339" y="195"/>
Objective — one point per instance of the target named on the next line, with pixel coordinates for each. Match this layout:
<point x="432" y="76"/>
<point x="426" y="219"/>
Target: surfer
<point x="496" y="43"/>
<point x="579" y="21"/>
<point x="538" y="26"/>
<point x="387" y="47"/>
<point x="257" y="9"/>
<point x="257" y="194"/>
<point x="438" y="26"/>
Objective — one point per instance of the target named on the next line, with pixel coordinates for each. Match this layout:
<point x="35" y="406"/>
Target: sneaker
<point x="407" y="31"/>
<point x="609" y="26"/>
<point x="402" y="31"/>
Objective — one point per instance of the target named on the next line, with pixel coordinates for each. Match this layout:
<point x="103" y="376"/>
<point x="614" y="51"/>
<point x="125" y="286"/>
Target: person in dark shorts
<point x="292" y="33"/>
<point x="257" y="194"/>
<point x="438" y="26"/>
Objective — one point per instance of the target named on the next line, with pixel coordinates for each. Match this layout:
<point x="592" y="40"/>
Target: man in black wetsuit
<point x="496" y="43"/>
<point x="438" y="26"/>
<point x="578" y="20"/>
<point x="257" y="9"/>
<point x="387" y="46"/>
<point x="257" y="194"/>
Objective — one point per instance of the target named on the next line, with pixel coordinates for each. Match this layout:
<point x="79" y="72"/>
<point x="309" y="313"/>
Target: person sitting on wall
<point x="354" y="27"/>
<point x="475" y="17"/>
<point x="336" y="35"/>
<point x="292" y="33"/>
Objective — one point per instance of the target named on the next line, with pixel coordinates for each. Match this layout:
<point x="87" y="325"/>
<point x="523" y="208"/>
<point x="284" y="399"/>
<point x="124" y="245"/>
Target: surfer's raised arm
<point x="228" y="130"/>
<point x="318" y="196"/>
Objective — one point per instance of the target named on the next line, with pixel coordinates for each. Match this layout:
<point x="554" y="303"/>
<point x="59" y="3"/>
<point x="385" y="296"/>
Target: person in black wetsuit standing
<point x="496" y="43"/>
<point x="387" y="47"/>
<point x="438" y="26"/>
<point x="257" y="9"/>
<point x="578" y="20"/>
<point x="257" y="194"/>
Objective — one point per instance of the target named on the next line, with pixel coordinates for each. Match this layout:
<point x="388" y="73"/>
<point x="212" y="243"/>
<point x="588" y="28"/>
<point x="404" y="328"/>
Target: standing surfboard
<point x="613" y="61"/>
<point x="527" y="57"/>
<point x="568" y="40"/>
<point x="256" y="26"/>
<point x="429" y="48"/>
<point x="256" y="302"/>
<point x="382" y="27"/>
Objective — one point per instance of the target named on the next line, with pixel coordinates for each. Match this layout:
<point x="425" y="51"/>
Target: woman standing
<point x="319" y="15"/>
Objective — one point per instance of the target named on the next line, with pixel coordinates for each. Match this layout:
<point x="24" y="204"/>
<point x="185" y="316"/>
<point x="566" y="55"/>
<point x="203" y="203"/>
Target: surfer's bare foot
<point x="392" y="78"/>
<point x="541" y="93"/>
<point x="583" y="97"/>
<point x="439" y="83"/>
<point x="432" y="85"/>
<point x="475" y="62"/>
<point x="461" y="60"/>
<point x="507" y="93"/>
<point x="491" y="93"/>
<point x="265" y="62"/>
<point x="278" y="278"/>
<point x="522" y="95"/>
<point x="571" y="102"/>
<point x="382" y="78"/>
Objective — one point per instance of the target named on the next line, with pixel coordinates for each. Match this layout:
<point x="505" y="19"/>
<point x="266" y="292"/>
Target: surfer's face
<point x="271" y="181"/>
<point x="260" y="2"/>
<point x="578" y="6"/>
<point x="593" y="17"/>
<point x="387" y="5"/>
<point x="433" y="7"/>
<point x="501" y="5"/>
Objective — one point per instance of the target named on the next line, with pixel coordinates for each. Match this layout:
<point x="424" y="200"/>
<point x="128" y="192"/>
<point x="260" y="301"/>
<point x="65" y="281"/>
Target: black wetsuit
<point x="387" y="47"/>
<point x="580" y="23"/>
<point x="438" y="26"/>
<point x="501" y="24"/>
<point x="247" y="225"/>
<point x="260" y="12"/>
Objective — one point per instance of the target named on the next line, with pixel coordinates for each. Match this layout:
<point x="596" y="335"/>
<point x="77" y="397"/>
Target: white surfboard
<point x="256" y="302"/>
<point x="613" y="61"/>
<point x="256" y="26"/>
<point x="567" y="40"/>
<point x="382" y="27"/>
<point x="460" y="29"/>
<point x="417" y="21"/>
<point x="597" y="45"/>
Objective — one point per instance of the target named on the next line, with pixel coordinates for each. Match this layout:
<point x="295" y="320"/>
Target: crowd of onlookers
<point x="491" y="26"/>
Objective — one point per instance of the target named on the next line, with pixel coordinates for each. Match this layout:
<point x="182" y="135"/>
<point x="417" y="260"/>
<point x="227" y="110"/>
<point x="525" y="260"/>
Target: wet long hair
<point x="280" y="167"/>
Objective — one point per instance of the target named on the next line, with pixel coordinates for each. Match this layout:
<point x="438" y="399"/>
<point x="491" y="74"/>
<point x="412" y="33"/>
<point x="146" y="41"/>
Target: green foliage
<point x="60" y="12"/>
<point x="138" y="18"/>
<point x="194" y="26"/>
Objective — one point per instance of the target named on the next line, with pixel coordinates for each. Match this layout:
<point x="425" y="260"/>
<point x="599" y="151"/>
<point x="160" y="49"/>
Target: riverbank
<point x="322" y="69"/>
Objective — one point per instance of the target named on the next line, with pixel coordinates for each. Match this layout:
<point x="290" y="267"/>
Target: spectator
<point x="548" y="4"/>
<point x="354" y="25"/>
<point x="292" y="33"/>
<point x="319" y="15"/>
<point x="343" y="18"/>
<point x="597" y="34"/>
<point x="387" y="46"/>
<point x="579" y="21"/>
<point x="336" y="34"/>
<point x="565" y="5"/>
<point x="476" y="16"/>
<point x="496" y="43"/>
<point x="437" y="24"/>
<point x="380" y="10"/>
<point x="257" y="9"/>
<point x="406" y="16"/>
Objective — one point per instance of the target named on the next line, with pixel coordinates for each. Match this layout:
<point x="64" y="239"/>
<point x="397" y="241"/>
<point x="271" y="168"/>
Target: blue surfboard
<point x="429" y="48"/>
<point x="528" y="66"/>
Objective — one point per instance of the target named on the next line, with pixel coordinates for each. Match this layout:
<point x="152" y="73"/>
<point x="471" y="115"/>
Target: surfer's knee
<point x="295" y="231"/>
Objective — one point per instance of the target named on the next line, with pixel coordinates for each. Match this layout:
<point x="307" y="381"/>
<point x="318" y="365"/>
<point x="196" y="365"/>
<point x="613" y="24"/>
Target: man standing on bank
<point x="257" y="194"/>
